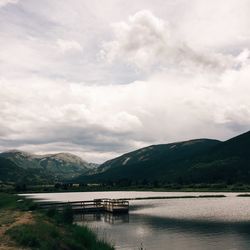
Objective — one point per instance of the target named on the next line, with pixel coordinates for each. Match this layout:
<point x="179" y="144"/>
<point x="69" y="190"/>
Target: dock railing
<point x="97" y="205"/>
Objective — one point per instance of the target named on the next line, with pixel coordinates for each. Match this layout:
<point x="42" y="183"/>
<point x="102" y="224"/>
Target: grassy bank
<point x="22" y="225"/>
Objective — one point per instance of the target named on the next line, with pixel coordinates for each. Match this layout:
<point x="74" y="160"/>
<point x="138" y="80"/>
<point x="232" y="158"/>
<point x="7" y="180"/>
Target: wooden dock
<point x="94" y="206"/>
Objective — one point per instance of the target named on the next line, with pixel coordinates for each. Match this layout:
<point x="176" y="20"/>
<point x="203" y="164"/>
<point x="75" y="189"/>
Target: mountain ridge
<point x="10" y="172"/>
<point x="193" y="161"/>
<point x="142" y="162"/>
<point x="60" y="165"/>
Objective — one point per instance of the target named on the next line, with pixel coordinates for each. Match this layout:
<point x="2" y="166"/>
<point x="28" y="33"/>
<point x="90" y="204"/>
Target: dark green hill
<point x="156" y="162"/>
<point x="195" y="161"/>
<point x="228" y="162"/>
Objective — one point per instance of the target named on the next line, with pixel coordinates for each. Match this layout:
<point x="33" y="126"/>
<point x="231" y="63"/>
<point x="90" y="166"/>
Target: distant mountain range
<point x="51" y="167"/>
<point x="194" y="161"/>
<point x="10" y="172"/>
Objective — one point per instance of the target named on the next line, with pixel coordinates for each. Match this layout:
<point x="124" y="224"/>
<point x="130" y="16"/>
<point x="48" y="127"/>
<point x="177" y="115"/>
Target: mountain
<point x="156" y="162"/>
<point x="194" y="161"/>
<point x="10" y="172"/>
<point x="228" y="161"/>
<point x="20" y="158"/>
<point x="187" y="162"/>
<point x="61" y="166"/>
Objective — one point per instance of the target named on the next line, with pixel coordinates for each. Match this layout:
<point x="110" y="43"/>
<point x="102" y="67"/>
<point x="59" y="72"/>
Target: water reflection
<point x="129" y="232"/>
<point x="197" y="234"/>
<point x="102" y="217"/>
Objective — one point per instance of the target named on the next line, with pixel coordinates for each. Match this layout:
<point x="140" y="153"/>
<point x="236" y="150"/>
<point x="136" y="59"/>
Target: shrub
<point x="67" y="215"/>
<point x="40" y="235"/>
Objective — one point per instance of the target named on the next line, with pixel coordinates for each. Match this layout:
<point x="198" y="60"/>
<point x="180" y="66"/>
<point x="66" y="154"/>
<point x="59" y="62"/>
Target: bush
<point x="67" y="215"/>
<point x="52" y="212"/>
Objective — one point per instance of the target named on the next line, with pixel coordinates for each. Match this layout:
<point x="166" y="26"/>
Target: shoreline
<point x="22" y="226"/>
<point x="128" y="189"/>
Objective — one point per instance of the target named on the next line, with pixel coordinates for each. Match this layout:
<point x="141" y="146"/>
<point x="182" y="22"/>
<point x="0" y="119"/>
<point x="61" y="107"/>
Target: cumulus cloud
<point x="170" y="73"/>
<point x="111" y="119"/>
<point x="147" y="41"/>
<point x="45" y="112"/>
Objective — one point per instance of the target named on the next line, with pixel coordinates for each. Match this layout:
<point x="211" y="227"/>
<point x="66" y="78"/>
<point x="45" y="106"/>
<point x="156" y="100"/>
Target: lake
<point x="174" y="224"/>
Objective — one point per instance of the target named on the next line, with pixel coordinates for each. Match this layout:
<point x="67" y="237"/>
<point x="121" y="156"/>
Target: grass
<point x="45" y="234"/>
<point x="14" y="202"/>
<point x="7" y="201"/>
<point x="6" y="217"/>
<point x="8" y="207"/>
<point x="89" y="241"/>
<point x="39" y="235"/>
<point x="47" y="231"/>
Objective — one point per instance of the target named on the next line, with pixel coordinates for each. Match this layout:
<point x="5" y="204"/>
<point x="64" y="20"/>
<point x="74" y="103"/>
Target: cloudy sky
<point x="101" y="78"/>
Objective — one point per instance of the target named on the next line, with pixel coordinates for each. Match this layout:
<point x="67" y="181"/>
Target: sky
<point x="102" y="78"/>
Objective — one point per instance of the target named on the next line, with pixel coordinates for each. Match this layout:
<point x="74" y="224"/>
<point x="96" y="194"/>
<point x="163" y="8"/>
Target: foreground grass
<point x="44" y="231"/>
<point x="46" y="235"/>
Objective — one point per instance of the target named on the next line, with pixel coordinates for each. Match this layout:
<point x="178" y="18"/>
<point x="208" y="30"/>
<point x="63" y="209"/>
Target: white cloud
<point x="220" y="25"/>
<point x="244" y="57"/>
<point x="118" y="118"/>
<point x="5" y="2"/>
<point x="147" y="42"/>
<point x="67" y="45"/>
<point x="184" y="68"/>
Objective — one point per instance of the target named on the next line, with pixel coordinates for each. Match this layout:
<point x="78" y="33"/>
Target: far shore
<point x="54" y="188"/>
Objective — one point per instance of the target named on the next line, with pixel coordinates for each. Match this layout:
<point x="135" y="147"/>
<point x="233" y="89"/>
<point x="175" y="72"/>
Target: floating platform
<point x="94" y="206"/>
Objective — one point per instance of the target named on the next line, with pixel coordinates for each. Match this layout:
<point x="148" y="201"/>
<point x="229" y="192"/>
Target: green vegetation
<point x="43" y="230"/>
<point x="7" y="201"/>
<point x="117" y="186"/>
<point x="133" y="186"/>
<point x="46" y="235"/>
<point x="15" y="203"/>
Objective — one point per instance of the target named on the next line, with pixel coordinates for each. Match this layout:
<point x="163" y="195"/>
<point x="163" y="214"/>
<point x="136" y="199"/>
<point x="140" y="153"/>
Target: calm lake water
<point x="171" y="224"/>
